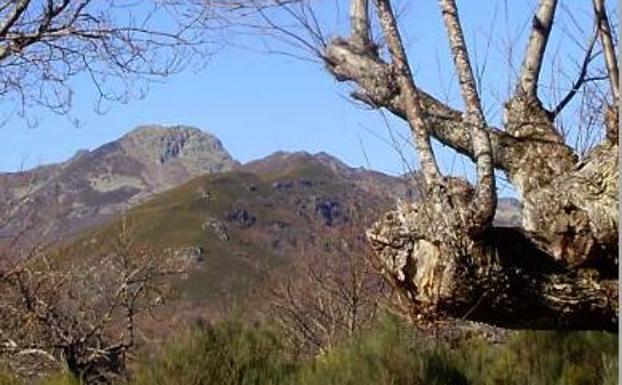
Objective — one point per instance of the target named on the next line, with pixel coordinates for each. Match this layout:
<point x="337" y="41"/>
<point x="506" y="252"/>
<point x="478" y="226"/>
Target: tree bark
<point x="485" y="200"/>
<point x="604" y="31"/>
<point x="359" y="22"/>
<point x="504" y="280"/>
<point x="541" y="28"/>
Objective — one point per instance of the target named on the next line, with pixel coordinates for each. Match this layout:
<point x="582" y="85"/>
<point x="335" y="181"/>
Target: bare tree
<point x="115" y="44"/>
<point x="443" y="254"/>
<point x="327" y="296"/>
<point x="80" y="314"/>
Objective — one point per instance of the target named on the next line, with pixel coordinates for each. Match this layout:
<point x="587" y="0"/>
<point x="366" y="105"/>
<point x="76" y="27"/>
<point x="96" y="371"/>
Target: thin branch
<point x="541" y="28"/>
<point x="581" y="79"/>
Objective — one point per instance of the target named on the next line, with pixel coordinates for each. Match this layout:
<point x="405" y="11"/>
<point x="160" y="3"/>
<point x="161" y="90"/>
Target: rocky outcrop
<point x="165" y="150"/>
<point x="328" y="210"/>
<point x="241" y="218"/>
<point x="217" y="227"/>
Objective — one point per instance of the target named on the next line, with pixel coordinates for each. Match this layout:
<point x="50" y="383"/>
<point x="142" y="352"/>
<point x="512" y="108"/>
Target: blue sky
<point x="258" y="103"/>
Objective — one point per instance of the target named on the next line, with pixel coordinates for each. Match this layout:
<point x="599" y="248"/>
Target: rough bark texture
<point x="542" y="24"/>
<point x="559" y="271"/>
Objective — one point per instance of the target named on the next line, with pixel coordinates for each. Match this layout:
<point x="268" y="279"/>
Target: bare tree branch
<point x="359" y="21"/>
<point x="421" y="134"/>
<point x="485" y="203"/>
<point x="534" y="54"/>
<point x="604" y="31"/>
<point x="581" y="79"/>
<point x="121" y="46"/>
<point x="81" y="312"/>
<point x="327" y="297"/>
<point x="18" y="9"/>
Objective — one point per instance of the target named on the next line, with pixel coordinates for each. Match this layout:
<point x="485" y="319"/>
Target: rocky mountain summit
<point x="171" y="153"/>
<point x="94" y="185"/>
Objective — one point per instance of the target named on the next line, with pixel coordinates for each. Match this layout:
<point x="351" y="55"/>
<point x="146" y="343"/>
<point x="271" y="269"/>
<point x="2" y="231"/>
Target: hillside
<point x="262" y="215"/>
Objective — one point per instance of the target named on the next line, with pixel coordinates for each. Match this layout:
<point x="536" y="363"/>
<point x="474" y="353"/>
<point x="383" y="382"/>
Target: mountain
<point x="508" y="212"/>
<point x="94" y="186"/>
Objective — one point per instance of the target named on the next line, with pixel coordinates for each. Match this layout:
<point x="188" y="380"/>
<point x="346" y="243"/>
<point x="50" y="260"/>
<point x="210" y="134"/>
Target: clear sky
<point x="259" y="103"/>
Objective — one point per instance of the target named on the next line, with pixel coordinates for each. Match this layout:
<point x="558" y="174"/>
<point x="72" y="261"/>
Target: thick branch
<point x="18" y="9"/>
<point x="575" y="217"/>
<point x="405" y="82"/>
<point x="526" y="119"/>
<point x="485" y="202"/>
<point x="530" y="70"/>
<point x="377" y="86"/>
<point x="359" y="22"/>
<point x="559" y="272"/>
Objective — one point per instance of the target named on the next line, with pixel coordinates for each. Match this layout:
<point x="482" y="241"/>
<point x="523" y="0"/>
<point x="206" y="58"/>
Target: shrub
<point x="392" y="353"/>
<point x="224" y="354"/>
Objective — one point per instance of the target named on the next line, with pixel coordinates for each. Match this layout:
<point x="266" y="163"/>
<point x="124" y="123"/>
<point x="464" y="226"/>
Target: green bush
<point x="8" y="379"/>
<point x="225" y="354"/>
<point x="393" y="354"/>
<point x="386" y="354"/>
<point x="541" y="358"/>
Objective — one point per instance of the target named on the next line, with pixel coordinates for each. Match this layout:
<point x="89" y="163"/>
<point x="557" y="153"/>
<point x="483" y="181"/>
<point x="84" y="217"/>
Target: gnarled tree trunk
<point x="559" y="271"/>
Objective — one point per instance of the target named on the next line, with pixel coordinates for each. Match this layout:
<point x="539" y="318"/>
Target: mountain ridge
<point x="94" y="185"/>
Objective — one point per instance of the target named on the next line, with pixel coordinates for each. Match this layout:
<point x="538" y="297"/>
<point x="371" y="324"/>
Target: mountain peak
<point x="157" y="130"/>
<point x="160" y="144"/>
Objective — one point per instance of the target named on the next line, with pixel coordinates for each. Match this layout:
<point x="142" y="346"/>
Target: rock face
<point x="168" y="151"/>
<point x="94" y="185"/>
